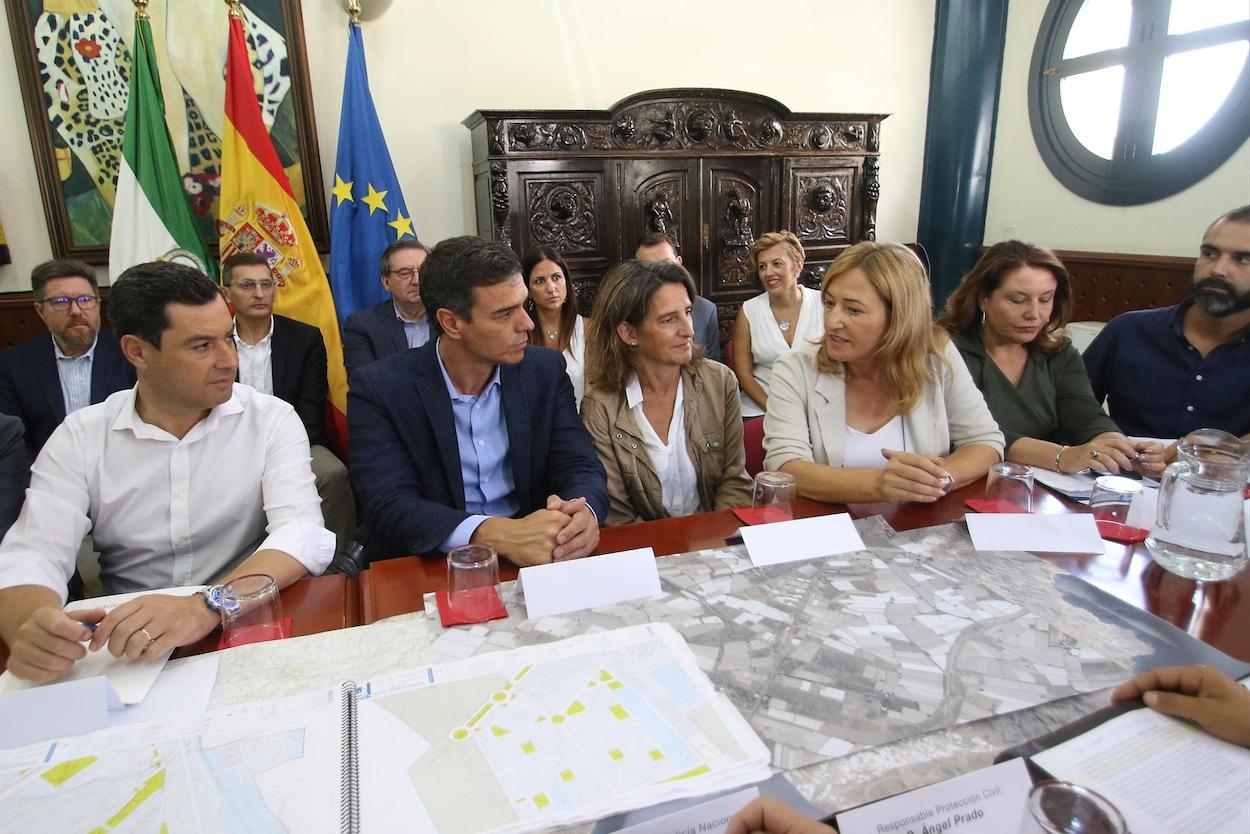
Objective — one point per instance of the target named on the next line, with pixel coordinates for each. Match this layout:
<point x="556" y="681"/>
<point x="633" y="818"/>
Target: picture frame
<point x="73" y="70"/>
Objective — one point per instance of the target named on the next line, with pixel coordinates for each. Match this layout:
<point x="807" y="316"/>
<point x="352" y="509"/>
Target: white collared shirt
<point x="679" y="488"/>
<point x="165" y="511"/>
<point x="256" y="361"/>
<point x="75" y="375"/>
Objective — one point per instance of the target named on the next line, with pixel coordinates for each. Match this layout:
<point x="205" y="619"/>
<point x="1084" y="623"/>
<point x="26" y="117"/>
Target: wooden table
<point x="1215" y="612"/>
<point x="321" y="603"/>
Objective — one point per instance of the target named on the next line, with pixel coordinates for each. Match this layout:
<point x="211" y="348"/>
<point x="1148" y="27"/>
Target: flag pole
<point x="353" y="9"/>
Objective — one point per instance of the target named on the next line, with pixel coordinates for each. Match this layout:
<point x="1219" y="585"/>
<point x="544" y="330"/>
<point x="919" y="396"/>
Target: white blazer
<point x="806" y="417"/>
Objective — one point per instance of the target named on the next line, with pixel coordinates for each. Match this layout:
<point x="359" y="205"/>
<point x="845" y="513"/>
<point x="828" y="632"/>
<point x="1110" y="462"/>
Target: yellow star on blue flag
<point x="368" y="212"/>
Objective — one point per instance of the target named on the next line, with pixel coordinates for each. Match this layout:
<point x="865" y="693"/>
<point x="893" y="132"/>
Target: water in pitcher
<point x="1201" y="531"/>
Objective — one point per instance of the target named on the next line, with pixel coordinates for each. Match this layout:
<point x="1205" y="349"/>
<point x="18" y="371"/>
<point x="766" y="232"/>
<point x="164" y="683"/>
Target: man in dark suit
<point x="287" y="358"/>
<point x="77" y="364"/>
<point x="474" y="437"/>
<point x="397" y="324"/>
<point x="657" y="246"/>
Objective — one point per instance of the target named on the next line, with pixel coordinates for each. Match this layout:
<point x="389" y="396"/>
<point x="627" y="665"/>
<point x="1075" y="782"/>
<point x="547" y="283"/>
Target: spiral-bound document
<point x="349" y="761"/>
<point x="507" y="742"/>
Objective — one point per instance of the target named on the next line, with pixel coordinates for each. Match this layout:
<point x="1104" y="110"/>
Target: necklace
<point x="784" y="324"/>
<point x="553" y="335"/>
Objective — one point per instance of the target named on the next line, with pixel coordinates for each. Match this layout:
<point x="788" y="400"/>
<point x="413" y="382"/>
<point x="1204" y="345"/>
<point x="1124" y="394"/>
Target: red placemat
<point x="762" y="515"/>
<point x="1123" y="533"/>
<point x="478" y="605"/>
<point x="255" y="634"/>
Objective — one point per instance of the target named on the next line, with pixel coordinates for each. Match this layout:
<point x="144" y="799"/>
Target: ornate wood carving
<point x="872" y="192"/>
<point x="562" y="214"/>
<point x="821" y="204"/>
<point x="499" y="201"/>
<point x="712" y="168"/>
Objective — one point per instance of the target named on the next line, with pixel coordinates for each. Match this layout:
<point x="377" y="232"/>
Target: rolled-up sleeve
<point x="787" y="435"/>
<point x="293" y="520"/>
<point x="967" y="415"/>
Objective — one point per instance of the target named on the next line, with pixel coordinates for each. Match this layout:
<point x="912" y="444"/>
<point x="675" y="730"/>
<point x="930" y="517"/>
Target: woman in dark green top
<point x="1007" y="318"/>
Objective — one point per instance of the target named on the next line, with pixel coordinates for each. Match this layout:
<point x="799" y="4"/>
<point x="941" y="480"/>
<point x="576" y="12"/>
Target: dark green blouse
<point x="1053" y="401"/>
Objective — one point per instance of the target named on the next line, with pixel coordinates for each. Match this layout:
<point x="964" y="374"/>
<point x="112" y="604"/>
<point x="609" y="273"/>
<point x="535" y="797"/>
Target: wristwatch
<point x="215" y="598"/>
<point x="948" y="482"/>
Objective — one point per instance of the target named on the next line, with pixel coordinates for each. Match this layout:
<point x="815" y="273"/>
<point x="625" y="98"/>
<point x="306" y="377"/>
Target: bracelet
<point x="1058" y="455"/>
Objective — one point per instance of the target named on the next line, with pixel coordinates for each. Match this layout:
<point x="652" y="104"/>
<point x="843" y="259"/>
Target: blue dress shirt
<point x="482" y="437"/>
<point x="75" y="374"/>
<point x="416" y="332"/>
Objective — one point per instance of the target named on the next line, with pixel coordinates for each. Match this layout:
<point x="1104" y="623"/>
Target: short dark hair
<point x="138" y="303"/>
<point x="384" y="263"/>
<point x="1237" y="215"/>
<point x="241" y="259"/>
<point x="657" y="239"/>
<point x="458" y="266"/>
<point x="60" y="268"/>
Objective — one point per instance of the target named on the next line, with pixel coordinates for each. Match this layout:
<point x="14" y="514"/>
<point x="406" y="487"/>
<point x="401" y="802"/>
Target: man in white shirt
<point x="184" y="479"/>
<point x="287" y="358"/>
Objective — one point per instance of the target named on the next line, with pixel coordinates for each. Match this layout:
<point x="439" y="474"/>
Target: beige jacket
<point x="713" y="436"/>
<point x="807" y="412"/>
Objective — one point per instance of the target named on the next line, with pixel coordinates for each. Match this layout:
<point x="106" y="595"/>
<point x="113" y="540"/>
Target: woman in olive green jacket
<point x="666" y="423"/>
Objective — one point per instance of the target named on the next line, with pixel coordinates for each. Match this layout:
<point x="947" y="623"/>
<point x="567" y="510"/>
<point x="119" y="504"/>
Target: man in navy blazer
<point x="75" y="365"/>
<point x="474" y="437"/>
<point x="397" y="324"/>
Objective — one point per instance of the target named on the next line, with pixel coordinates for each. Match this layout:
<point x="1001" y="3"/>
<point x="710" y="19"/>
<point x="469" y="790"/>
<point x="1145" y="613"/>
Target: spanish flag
<point x="259" y="213"/>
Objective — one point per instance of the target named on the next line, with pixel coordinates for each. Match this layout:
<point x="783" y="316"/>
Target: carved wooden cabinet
<point x="712" y="168"/>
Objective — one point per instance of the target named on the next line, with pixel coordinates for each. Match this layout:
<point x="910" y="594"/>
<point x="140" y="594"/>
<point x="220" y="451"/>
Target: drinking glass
<point x="251" y="610"/>
<point x="774" y="493"/>
<point x="1111" y="497"/>
<point x="1065" y="808"/>
<point x="1010" y="482"/>
<point x="472" y="578"/>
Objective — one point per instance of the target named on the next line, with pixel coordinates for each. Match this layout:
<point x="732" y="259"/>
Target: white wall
<point x="433" y="62"/>
<point x="1026" y="201"/>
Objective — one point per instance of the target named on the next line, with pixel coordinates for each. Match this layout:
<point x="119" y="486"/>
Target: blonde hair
<point x="910" y="338"/>
<point x="767" y="241"/>
<point x="624" y="297"/>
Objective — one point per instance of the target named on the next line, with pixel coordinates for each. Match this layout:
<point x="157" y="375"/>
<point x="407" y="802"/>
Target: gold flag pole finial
<point x="141" y="9"/>
<point x="353" y="9"/>
<point x="235" y="11"/>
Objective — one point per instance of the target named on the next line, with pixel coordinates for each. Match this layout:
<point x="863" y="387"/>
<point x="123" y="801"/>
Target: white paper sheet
<point x="989" y="801"/>
<point x="1165" y="776"/>
<point x="1073" y="486"/>
<point x="804" y="538"/>
<point x="1061" y="533"/>
<point x="130" y="678"/>
<point x="183" y="689"/>
<point x="54" y="711"/>
<point x="578" y="584"/>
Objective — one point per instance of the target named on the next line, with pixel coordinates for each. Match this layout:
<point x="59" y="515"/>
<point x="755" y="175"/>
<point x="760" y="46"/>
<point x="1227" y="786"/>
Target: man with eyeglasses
<point x="287" y="358"/>
<point x="397" y="324"/>
<point x="76" y="364"/>
<point x="188" y="478"/>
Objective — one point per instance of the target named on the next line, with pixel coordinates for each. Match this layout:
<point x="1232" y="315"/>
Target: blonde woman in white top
<point x="884" y="409"/>
<point x="553" y="307"/>
<point x="785" y="317"/>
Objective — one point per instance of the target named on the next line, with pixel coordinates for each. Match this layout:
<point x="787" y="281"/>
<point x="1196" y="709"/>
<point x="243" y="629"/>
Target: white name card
<point x="709" y="817"/>
<point x="804" y="538"/>
<point x="989" y="801"/>
<point x="578" y="584"/>
<point x="1062" y="533"/>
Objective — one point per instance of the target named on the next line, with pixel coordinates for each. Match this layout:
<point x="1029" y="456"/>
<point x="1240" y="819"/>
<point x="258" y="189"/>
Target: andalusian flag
<point x="367" y="212"/>
<point x="151" y="217"/>
<point x="259" y="213"/>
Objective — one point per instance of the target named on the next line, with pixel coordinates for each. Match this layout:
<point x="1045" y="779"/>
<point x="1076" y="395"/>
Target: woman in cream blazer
<point x="883" y="409"/>
<point x="665" y="422"/>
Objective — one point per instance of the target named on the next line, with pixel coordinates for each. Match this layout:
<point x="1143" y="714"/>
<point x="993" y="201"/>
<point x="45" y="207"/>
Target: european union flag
<point x="367" y="210"/>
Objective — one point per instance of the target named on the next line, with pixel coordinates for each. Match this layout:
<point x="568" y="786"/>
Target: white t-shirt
<point x="863" y="451"/>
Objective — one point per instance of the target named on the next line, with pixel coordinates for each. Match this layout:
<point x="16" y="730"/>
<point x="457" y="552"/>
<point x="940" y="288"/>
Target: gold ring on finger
<point x="151" y="640"/>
